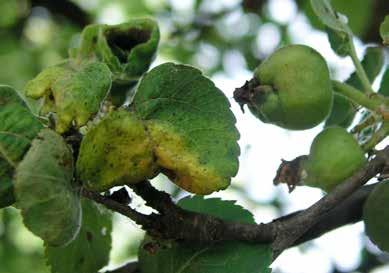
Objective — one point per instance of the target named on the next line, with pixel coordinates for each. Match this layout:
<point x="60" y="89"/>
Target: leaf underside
<point x="89" y="251"/>
<point x="49" y="204"/>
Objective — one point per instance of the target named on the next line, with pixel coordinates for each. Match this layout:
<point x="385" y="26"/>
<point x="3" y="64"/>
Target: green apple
<point x="334" y="156"/>
<point x="291" y="89"/>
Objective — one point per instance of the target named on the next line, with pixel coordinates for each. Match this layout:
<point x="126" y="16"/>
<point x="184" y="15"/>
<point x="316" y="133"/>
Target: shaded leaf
<point x="375" y="216"/>
<point x="329" y="17"/>
<point x="18" y="127"/>
<point x="117" y="151"/>
<point x="50" y="205"/>
<point x="191" y="126"/>
<point x="384" y="88"/>
<point x="128" y="49"/>
<point x="72" y="93"/>
<point x="359" y="13"/>
<point x="227" y="257"/>
<point x="89" y="251"/>
<point x="342" y="113"/>
<point x="372" y="63"/>
<point x="384" y="30"/>
<point x="339" y="42"/>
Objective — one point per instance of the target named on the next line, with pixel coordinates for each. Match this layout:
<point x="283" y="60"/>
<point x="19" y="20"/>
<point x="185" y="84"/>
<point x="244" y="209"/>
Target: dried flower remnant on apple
<point x="290" y="89"/>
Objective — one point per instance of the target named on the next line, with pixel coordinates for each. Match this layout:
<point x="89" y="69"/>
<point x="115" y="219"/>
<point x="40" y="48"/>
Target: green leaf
<point x="117" y="151"/>
<point x="18" y="127"/>
<point x="89" y="251"/>
<point x="43" y="189"/>
<point x="128" y="49"/>
<point x="191" y="126"/>
<point x="384" y="30"/>
<point x="329" y="17"/>
<point x="359" y="13"/>
<point x="343" y="111"/>
<point x="375" y="216"/>
<point x="384" y="88"/>
<point x="73" y="93"/>
<point x="339" y="42"/>
<point x="227" y="257"/>
<point x="372" y="63"/>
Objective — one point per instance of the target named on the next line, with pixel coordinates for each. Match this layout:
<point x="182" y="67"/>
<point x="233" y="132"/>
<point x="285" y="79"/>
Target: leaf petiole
<point x="373" y="102"/>
<point x="359" y="68"/>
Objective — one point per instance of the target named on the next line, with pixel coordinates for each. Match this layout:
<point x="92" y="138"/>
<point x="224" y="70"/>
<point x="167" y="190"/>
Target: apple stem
<point x="359" y="68"/>
<point x="373" y="102"/>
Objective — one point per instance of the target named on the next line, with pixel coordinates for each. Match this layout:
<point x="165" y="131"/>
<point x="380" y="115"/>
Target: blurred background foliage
<point x="213" y="35"/>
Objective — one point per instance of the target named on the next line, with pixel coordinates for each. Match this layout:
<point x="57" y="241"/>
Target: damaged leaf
<point x="89" y="251"/>
<point x="128" y="49"/>
<point x="73" y="94"/>
<point x="191" y="127"/>
<point x="117" y="151"/>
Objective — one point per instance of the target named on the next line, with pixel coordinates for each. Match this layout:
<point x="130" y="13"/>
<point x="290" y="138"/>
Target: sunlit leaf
<point x="18" y="127"/>
<point x="73" y="93"/>
<point x="227" y="257"/>
<point x="89" y="251"/>
<point x="191" y="126"/>
<point x="43" y="189"/>
<point x="117" y="151"/>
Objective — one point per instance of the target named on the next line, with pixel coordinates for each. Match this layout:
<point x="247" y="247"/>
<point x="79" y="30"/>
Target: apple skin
<point x="294" y="88"/>
<point x="334" y="156"/>
<point x="375" y="215"/>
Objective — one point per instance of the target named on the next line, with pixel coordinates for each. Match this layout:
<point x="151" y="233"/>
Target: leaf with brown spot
<point x="90" y="250"/>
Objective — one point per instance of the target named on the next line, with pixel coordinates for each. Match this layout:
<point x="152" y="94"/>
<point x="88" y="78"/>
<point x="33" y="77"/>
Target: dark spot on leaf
<point x="81" y="260"/>
<point x="51" y="96"/>
<point x="89" y="236"/>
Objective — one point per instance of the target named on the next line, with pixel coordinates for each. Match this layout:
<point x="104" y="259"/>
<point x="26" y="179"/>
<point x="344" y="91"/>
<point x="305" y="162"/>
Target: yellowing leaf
<point x="43" y="189"/>
<point x="116" y="151"/>
<point x="191" y="127"/>
<point x="73" y="94"/>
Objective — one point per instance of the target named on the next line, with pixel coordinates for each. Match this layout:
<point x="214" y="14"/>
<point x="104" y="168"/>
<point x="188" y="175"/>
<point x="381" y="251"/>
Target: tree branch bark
<point x="67" y="9"/>
<point x="341" y="206"/>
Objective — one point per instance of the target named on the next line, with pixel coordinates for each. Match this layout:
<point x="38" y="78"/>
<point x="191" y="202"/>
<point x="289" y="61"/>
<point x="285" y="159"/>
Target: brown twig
<point x="67" y="9"/>
<point x="289" y="231"/>
<point x="341" y="206"/>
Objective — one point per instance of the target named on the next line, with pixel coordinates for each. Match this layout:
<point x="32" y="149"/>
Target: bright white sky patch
<point x="282" y="11"/>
